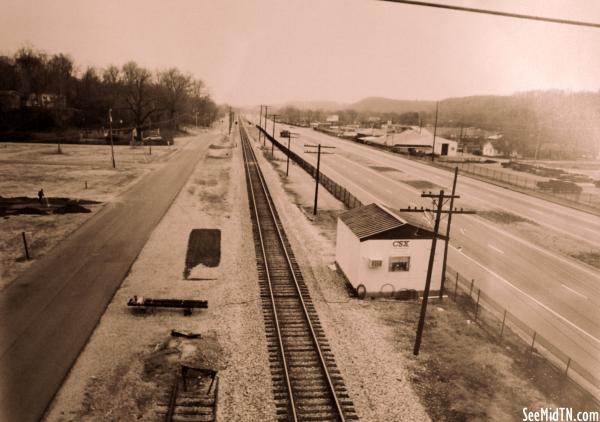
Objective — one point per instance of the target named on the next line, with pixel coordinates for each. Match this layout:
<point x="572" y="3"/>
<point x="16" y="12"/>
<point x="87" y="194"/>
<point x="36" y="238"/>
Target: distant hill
<point x="388" y="105"/>
<point x="317" y="105"/>
<point x="550" y="124"/>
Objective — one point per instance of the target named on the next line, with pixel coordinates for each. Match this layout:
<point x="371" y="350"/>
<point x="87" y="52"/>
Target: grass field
<point x="78" y="172"/>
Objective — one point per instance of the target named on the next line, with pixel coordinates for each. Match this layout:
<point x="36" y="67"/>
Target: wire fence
<point x="470" y="296"/>
<point x="510" y="178"/>
<point x="336" y="189"/>
<point x="498" y="320"/>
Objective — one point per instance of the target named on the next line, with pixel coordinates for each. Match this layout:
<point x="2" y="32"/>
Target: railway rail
<point x="307" y="386"/>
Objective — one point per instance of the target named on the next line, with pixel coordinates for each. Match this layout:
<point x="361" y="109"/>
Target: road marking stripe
<point x="546" y="308"/>
<point x="574" y="291"/>
<point x="495" y="248"/>
<point x="567" y="261"/>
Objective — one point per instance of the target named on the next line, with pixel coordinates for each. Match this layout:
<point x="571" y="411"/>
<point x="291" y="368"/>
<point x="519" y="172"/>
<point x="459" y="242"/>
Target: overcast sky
<point x="263" y="51"/>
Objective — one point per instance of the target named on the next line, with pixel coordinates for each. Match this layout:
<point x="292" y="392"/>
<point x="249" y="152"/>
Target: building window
<point x="399" y="263"/>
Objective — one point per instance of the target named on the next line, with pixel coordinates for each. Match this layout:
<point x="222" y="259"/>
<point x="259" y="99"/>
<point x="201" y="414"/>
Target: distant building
<point x="46" y="100"/>
<point x="333" y="118"/>
<point x="379" y="253"/>
<point x="10" y="100"/>
<point x="490" y="149"/>
<point x="412" y="140"/>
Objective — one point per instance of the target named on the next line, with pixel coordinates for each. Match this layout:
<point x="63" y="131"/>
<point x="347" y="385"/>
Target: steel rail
<point x="292" y="405"/>
<point x="296" y="284"/>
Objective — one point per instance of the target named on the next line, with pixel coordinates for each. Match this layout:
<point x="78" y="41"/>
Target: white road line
<point x="496" y="229"/>
<point x="474" y="183"/>
<point x="495" y="248"/>
<point x="537" y="302"/>
<point x="574" y="291"/>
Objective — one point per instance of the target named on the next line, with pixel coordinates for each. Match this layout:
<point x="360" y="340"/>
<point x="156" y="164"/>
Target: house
<point x="379" y="253"/>
<point x="489" y="149"/>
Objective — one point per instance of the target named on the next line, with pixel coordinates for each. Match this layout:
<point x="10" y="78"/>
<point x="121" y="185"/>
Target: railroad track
<point x="307" y="386"/>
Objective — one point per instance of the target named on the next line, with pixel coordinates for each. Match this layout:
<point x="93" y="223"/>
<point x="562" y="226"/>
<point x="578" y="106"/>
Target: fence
<point x="588" y="199"/>
<point x="498" y="319"/>
<point x="337" y="190"/>
<point x="485" y="310"/>
<point x="527" y="183"/>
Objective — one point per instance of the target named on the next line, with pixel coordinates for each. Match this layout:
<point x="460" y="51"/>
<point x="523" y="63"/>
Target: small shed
<point x="379" y="253"/>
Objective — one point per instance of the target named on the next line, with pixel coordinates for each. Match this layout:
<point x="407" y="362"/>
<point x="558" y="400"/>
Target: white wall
<point x="452" y="146"/>
<point x="378" y="280"/>
<point x="347" y="252"/>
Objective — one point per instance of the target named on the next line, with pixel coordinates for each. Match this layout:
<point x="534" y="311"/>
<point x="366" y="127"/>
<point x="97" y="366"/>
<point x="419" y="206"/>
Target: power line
<point x="496" y="13"/>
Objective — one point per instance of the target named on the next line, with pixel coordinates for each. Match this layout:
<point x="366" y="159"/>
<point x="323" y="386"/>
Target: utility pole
<point x="275" y="116"/>
<point x="112" y="150"/>
<point x="317" y="176"/>
<point x="230" y="119"/>
<point x="538" y="140"/>
<point x="265" y="128"/>
<point x="447" y="240"/>
<point x="260" y="122"/>
<point x="439" y="202"/>
<point x="287" y="167"/>
<point x="434" y="131"/>
<point x="436" y="228"/>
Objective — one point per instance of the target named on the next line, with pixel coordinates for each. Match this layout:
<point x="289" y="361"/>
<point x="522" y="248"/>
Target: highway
<point x="555" y="295"/>
<point x="48" y="313"/>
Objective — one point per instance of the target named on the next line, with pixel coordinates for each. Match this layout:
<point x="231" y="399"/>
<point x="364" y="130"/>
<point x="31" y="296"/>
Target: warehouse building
<point x="380" y="254"/>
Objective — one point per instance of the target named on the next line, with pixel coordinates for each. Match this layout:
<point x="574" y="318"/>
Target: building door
<point x="444" y="149"/>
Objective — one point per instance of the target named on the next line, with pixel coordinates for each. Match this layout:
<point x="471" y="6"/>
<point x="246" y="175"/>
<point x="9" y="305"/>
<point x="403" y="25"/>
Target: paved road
<point x="48" y="313"/>
<point x="557" y="296"/>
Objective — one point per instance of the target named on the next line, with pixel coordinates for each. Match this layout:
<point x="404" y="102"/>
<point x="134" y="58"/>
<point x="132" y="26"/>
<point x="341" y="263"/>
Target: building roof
<point x="413" y="138"/>
<point x="376" y="221"/>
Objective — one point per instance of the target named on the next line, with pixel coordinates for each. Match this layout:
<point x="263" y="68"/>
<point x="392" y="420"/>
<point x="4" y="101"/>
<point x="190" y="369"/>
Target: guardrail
<point x="469" y="295"/>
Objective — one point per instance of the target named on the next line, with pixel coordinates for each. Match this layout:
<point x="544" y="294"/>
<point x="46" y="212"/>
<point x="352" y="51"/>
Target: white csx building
<point x="379" y="253"/>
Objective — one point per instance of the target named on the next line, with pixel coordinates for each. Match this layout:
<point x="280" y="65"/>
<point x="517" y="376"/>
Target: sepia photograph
<point x="299" y="210"/>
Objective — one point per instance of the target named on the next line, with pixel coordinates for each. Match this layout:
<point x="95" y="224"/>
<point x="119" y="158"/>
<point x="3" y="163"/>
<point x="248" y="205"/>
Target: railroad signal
<point x="439" y="201"/>
<point x="317" y="176"/>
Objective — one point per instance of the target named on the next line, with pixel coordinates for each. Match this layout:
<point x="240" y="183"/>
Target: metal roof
<point x="370" y="219"/>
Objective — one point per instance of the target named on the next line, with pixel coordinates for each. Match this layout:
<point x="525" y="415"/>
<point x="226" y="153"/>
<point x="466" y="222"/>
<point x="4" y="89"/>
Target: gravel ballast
<point x="126" y="370"/>
<point x="373" y="370"/>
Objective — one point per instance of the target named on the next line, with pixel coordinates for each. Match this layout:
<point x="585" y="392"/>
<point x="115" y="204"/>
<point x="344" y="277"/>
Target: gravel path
<point x="373" y="370"/>
<point x="128" y="365"/>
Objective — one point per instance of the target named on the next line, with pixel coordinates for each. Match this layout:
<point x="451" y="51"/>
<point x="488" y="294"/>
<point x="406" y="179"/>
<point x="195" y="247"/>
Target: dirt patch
<point x="465" y="372"/>
<point x="422" y="184"/>
<point x="219" y="153"/>
<point x="213" y="146"/>
<point x="204" y="247"/>
<point x="386" y="169"/>
<point x="503" y="217"/>
<point x="590" y="258"/>
<point x="32" y="206"/>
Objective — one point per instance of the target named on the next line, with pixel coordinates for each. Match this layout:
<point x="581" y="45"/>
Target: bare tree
<point x="140" y="94"/>
<point x="176" y="89"/>
<point x="32" y="68"/>
<point x="60" y="68"/>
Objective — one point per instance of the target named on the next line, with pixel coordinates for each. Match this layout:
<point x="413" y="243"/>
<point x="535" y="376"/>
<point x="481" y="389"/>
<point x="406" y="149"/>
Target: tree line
<point x="55" y="95"/>
<point x="550" y="124"/>
<point x="304" y="117"/>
